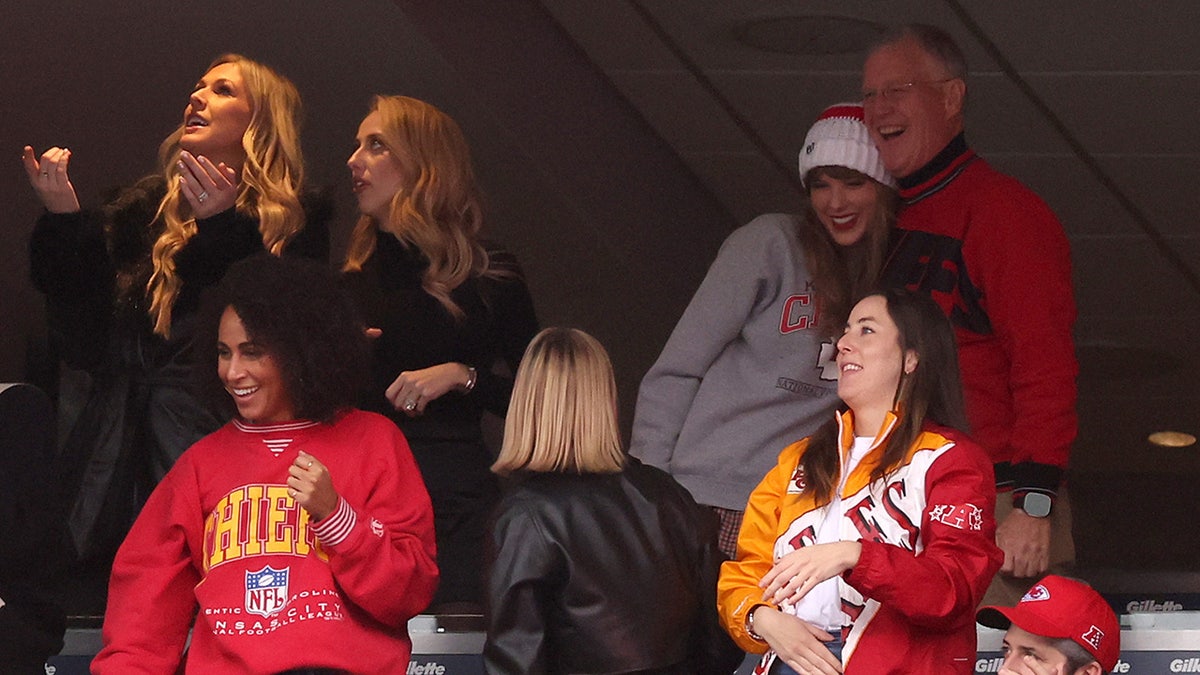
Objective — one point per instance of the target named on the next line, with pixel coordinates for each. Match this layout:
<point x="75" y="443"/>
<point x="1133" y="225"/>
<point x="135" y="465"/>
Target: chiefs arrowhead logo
<point x="1036" y="593"/>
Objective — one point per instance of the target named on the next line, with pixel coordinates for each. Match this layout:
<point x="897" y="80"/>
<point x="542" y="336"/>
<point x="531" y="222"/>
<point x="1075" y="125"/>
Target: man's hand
<point x="1025" y="541"/>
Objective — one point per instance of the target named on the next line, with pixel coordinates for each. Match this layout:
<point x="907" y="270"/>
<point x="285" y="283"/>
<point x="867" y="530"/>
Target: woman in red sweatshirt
<point x="300" y="535"/>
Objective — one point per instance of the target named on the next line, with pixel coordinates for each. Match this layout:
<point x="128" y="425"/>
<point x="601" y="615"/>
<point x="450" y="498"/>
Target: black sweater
<point x="418" y="333"/>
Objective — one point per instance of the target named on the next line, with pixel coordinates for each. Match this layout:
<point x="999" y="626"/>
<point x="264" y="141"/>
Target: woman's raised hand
<point x="49" y="179"/>
<point x="310" y="484"/>
<point x="209" y="188"/>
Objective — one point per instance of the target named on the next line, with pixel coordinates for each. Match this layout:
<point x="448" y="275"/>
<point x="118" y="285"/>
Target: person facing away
<point x="1061" y="626"/>
<point x="997" y="261"/>
<point x="123" y="282"/>
<point x="748" y="368"/>
<point x="297" y="538"/>
<point x="868" y="547"/>
<point x="598" y="563"/>
<point x="453" y="313"/>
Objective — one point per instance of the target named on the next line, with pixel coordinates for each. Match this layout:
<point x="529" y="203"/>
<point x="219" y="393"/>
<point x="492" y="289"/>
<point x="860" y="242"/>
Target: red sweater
<point x="998" y="262"/>
<point x="221" y="539"/>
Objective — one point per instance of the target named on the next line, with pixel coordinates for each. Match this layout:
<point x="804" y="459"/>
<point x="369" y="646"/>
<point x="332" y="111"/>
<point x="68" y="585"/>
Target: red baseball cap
<point x="1058" y="607"/>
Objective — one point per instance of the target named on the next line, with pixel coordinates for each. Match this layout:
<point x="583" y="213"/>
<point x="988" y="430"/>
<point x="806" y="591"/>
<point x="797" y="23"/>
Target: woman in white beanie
<point x="749" y="367"/>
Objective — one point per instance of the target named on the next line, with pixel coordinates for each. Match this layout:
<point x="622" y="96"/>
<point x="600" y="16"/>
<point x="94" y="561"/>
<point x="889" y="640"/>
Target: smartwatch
<point x="1036" y="504"/>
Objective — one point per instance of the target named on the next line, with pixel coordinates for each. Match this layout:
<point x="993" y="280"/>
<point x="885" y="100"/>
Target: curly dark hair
<point x="297" y="311"/>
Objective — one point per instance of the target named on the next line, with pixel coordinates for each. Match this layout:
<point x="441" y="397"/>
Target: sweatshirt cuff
<point x="336" y="527"/>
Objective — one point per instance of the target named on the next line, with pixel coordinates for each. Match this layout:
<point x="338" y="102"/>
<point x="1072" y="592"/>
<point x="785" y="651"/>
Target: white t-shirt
<point x="822" y="606"/>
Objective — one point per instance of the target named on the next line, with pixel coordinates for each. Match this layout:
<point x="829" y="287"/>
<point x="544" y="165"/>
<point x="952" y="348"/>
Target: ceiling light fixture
<point x="1172" y="439"/>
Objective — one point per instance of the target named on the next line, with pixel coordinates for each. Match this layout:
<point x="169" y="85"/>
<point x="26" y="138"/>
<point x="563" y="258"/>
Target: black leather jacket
<point x="604" y="573"/>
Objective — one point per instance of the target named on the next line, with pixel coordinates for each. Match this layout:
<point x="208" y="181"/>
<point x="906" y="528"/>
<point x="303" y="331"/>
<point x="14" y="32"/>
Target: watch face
<point x="1036" y="504"/>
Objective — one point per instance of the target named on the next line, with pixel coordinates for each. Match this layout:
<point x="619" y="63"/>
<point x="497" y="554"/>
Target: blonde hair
<point x="268" y="191"/>
<point x="439" y="211"/>
<point x="563" y="414"/>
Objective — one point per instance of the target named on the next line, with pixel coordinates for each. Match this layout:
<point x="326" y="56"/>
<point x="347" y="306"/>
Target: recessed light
<point x="1172" y="439"/>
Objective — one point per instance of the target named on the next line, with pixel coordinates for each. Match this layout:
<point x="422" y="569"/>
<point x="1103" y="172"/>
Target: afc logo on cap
<point x="1094" y="636"/>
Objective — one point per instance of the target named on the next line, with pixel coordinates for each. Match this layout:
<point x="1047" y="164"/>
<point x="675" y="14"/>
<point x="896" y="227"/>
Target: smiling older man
<point x="998" y="262"/>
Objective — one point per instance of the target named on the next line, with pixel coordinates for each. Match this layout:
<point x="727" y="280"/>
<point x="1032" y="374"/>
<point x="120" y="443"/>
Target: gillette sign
<point x="1152" y="606"/>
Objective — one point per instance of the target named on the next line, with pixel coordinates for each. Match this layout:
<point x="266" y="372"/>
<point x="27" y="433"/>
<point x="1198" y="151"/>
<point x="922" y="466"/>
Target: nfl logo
<point x="266" y="591"/>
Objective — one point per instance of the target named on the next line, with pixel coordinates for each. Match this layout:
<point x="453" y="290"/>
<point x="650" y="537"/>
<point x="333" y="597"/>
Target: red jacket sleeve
<point x="382" y="551"/>
<point x="940" y="586"/>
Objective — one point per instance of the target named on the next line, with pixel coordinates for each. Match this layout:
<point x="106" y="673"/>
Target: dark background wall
<point x="621" y="140"/>
<point x="613" y="230"/>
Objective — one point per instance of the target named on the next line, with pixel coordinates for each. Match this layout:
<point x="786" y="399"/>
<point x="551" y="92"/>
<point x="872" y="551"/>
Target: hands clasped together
<point x="797" y="642"/>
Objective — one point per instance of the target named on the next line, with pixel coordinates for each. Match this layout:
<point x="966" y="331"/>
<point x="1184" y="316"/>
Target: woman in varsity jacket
<point x="869" y="545"/>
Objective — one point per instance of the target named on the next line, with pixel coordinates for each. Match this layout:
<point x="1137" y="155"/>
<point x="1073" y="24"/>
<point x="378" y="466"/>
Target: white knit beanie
<point x="839" y="138"/>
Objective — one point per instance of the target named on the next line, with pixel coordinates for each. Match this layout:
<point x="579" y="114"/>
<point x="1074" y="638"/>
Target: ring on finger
<point x="45" y="174"/>
<point x="410" y="405"/>
<point x="202" y="196"/>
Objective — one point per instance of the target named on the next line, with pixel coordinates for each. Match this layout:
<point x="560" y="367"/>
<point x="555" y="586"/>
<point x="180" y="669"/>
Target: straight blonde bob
<point x="563" y="414"/>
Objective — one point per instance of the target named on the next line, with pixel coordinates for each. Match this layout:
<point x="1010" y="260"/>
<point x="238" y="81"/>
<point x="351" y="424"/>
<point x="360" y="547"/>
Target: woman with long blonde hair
<point x="448" y="307"/>
<point x="123" y="282"/>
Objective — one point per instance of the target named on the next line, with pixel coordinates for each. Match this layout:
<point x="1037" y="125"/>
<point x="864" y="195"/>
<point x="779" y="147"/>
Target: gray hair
<point x="933" y="40"/>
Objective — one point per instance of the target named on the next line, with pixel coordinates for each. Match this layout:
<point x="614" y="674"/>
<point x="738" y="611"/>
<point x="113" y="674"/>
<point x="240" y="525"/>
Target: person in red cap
<point x="1060" y="627"/>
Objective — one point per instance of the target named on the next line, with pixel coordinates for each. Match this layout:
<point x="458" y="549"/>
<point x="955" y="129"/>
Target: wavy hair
<point x="440" y="210"/>
<point x="268" y="191"/>
<point x="843" y="273"/>
<point x="933" y="391"/>
<point x="563" y="414"/>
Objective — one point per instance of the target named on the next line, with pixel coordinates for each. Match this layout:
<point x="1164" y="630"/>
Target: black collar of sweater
<point x="954" y="156"/>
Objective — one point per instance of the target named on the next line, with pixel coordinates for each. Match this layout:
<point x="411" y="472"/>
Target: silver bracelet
<point x="750" y="624"/>
<point x="472" y="376"/>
